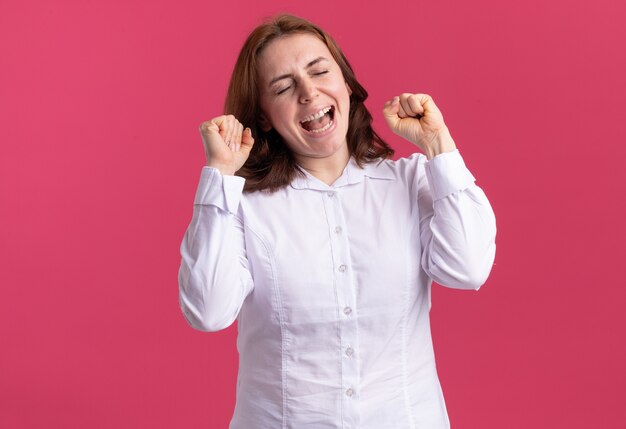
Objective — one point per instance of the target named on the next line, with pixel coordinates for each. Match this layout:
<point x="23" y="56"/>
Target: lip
<point x="317" y="135"/>
<point x="322" y="134"/>
<point x="316" y="110"/>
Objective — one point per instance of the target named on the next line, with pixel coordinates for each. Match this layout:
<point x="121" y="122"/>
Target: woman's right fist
<point x="226" y="144"/>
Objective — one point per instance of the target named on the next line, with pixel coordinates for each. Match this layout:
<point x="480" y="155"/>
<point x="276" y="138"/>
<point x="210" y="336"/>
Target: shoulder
<point x="405" y="169"/>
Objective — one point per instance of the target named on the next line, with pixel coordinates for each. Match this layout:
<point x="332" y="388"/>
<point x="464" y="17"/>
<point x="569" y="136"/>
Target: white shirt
<point x="330" y="286"/>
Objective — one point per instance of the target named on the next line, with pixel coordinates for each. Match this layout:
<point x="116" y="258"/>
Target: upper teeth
<point x="316" y="115"/>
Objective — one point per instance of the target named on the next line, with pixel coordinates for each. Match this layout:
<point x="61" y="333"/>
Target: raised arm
<point x="214" y="277"/>
<point x="457" y="224"/>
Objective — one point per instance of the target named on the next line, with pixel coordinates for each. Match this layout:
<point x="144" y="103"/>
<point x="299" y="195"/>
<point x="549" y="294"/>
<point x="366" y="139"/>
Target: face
<point x="304" y="97"/>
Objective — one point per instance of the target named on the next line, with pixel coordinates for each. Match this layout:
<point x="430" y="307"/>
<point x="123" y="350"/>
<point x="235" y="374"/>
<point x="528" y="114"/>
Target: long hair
<point x="271" y="165"/>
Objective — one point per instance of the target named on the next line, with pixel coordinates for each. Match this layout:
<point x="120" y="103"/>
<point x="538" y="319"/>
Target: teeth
<point x="324" y="128"/>
<point x="316" y="115"/>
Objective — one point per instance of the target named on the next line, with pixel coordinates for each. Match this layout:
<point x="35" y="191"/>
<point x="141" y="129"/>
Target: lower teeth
<point x="324" y="128"/>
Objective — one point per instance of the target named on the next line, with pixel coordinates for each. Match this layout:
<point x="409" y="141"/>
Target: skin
<point x="297" y="77"/>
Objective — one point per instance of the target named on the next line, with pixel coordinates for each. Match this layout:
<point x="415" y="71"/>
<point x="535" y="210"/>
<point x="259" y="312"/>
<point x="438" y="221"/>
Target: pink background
<point x="100" y="155"/>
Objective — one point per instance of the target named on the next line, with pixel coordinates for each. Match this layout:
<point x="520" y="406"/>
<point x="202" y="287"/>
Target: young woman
<point x="322" y="248"/>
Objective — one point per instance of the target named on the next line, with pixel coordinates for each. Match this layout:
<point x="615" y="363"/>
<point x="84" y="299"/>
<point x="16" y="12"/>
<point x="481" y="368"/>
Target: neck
<point x="326" y="169"/>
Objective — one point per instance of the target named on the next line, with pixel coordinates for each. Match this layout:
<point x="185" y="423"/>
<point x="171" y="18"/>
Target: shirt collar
<point x="351" y="174"/>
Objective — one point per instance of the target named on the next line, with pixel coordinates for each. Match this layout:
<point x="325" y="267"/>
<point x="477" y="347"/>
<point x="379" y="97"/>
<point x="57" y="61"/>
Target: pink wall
<point x="100" y="155"/>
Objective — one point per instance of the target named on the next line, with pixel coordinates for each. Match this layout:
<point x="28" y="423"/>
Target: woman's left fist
<point x="417" y="118"/>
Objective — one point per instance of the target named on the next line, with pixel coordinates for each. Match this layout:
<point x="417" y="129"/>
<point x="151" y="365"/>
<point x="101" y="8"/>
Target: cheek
<point x="281" y="115"/>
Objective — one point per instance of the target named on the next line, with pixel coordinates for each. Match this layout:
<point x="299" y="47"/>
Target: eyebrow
<point x="288" y="75"/>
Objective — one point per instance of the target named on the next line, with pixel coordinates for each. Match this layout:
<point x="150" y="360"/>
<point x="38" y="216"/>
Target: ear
<point x="264" y="123"/>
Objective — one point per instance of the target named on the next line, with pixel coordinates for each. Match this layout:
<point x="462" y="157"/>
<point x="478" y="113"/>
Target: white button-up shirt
<point x="330" y="286"/>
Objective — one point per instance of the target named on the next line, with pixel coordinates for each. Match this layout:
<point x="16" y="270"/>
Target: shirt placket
<point x="346" y="309"/>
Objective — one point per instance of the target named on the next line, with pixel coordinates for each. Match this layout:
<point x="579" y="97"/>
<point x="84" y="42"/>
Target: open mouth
<point x="320" y="121"/>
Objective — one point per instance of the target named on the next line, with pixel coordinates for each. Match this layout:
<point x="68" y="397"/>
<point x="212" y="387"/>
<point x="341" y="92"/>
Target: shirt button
<point x="349" y="351"/>
<point x="350" y="392"/>
<point x="342" y="268"/>
<point x="330" y="194"/>
<point x="347" y="311"/>
<point x="337" y="230"/>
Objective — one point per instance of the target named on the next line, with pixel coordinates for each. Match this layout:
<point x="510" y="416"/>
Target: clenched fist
<point x="416" y="118"/>
<point x="226" y="144"/>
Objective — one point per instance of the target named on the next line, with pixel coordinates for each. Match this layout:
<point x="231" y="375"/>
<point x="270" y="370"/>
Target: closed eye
<point x="285" y="89"/>
<point x="282" y="91"/>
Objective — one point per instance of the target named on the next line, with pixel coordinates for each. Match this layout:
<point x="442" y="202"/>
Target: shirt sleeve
<point x="214" y="276"/>
<point x="457" y="223"/>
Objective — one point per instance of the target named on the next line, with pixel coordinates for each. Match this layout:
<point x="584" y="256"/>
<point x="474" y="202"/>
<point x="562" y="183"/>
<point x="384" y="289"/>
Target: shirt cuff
<point x="220" y="191"/>
<point x="447" y="174"/>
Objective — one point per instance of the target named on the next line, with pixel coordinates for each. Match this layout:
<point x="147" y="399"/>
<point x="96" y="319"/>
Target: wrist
<point x="223" y="169"/>
<point x="441" y="142"/>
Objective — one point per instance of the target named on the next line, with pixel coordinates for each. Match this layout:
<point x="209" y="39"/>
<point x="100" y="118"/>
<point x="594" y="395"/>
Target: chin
<point x="329" y="148"/>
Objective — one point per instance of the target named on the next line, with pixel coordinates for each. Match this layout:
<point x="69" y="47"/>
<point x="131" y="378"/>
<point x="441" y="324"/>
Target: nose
<point x="308" y="91"/>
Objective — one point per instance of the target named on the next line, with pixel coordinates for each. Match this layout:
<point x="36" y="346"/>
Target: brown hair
<point x="271" y="165"/>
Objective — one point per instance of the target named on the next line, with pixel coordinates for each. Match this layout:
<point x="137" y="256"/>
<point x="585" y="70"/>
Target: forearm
<point x="458" y="227"/>
<point x="213" y="277"/>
